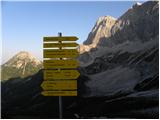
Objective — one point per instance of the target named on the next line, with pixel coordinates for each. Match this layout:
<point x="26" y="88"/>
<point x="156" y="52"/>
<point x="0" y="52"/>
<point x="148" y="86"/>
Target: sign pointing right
<point x="59" y="93"/>
<point x="53" y="45"/>
<point x="50" y="64"/>
<point x="64" y="38"/>
<point x="66" y="53"/>
<point x="60" y="74"/>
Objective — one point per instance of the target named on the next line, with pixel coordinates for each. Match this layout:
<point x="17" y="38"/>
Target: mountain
<point x="21" y="65"/>
<point x="137" y="25"/>
<point x="129" y="56"/>
<point x="101" y="29"/>
<point x="119" y="77"/>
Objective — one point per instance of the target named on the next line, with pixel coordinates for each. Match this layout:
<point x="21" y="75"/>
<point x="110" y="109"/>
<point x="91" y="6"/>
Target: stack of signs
<point x="60" y="65"/>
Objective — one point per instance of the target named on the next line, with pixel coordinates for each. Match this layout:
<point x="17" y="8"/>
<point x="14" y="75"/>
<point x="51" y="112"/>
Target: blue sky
<point x="24" y="24"/>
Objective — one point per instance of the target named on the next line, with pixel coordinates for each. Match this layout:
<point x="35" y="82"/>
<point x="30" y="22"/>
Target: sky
<point x="24" y="24"/>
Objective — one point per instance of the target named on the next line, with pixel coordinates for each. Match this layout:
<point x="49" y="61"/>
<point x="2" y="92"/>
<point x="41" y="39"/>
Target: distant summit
<point x="21" y="65"/>
<point x="21" y="59"/>
<point x="136" y="4"/>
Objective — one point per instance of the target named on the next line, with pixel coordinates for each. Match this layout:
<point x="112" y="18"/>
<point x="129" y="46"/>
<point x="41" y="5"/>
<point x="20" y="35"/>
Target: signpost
<point x="59" y="67"/>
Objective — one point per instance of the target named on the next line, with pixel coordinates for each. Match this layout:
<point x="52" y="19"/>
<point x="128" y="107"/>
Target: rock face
<point x="21" y="65"/>
<point x="102" y="29"/>
<point x="138" y="24"/>
<point x="120" y="79"/>
<point x="130" y="55"/>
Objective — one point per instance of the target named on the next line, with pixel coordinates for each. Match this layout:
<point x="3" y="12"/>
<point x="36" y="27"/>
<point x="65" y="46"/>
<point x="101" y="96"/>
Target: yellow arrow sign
<point x="59" y="93"/>
<point x="59" y="85"/>
<point x="60" y="74"/>
<point x="64" y="38"/>
<point x="52" y="45"/>
<point x="50" y="64"/>
<point x="67" y="53"/>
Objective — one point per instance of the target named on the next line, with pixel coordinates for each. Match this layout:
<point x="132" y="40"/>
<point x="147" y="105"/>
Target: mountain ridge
<point x="139" y="23"/>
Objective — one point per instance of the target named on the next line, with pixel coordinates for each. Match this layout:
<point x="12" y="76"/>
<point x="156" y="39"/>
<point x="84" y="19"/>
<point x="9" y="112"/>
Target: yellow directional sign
<point x="50" y="64"/>
<point x="64" y="38"/>
<point x="53" y="45"/>
<point x="60" y="85"/>
<point x="67" y="53"/>
<point x="60" y="74"/>
<point x="59" y="93"/>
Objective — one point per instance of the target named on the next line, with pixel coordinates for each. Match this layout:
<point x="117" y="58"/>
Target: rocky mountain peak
<point x="136" y="4"/>
<point x="100" y="30"/>
<point x="22" y="58"/>
<point x="104" y="21"/>
<point x="138" y="24"/>
<point x="21" y="65"/>
<point x="24" y="54"/>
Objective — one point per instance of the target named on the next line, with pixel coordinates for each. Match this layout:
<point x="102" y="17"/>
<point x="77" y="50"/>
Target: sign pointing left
<point x="59" y="85"/>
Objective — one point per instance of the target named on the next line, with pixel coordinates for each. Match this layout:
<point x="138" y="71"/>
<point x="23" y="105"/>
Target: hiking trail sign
<point x="50" y="64"/>
<point x="60" y="65"/>
<point x="64" y="38"/>
<point x="59" y="93"/>
<point x="59" y="85"/>
<point x="53" y="45"/>
<point x="65" y="53"/>
<point x="60" y="74"/>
